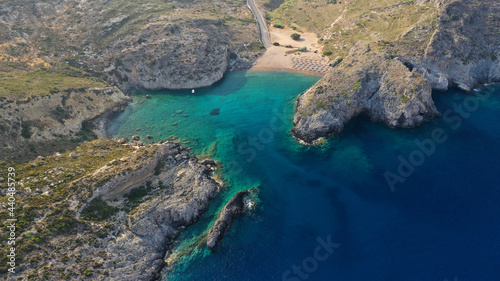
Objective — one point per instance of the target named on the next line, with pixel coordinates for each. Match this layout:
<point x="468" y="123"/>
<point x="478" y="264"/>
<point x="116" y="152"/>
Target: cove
<point x="440" y="223"/>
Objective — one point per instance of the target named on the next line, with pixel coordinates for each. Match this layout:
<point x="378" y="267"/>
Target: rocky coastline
<point x="45" y="124"/>
<point x="124" y="216"/>
<point x="152" y="192"/>
<point x="393" y="84"/>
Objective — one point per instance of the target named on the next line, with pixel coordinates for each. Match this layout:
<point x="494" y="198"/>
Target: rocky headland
<point x="108" y="211"/>
<point x="391" y="82"/>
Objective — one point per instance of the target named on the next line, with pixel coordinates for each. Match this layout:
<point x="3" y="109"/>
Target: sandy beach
<point x="280" y="57"/>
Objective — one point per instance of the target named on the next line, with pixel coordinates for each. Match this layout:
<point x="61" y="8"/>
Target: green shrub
<point x="356" y="86"/>
<point x="327" y="53"/>
<point x="88" y="272"/>
<point x="276" y="44"/>
<point x="136" y="195"/>
<point x="295" y="36"/>
<point x="61" y="222"/>
<point x="302" y="49"/>
<point x="98" y="210"/>
<point x="404" y="99"/>
<point x="279" y="26"/>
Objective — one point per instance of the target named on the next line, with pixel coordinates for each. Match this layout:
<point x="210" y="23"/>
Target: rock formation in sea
<point x="234" y="208"/>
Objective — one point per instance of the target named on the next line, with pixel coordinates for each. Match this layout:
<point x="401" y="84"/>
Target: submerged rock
<point x="233" y="209"/>
<point x="215" y="112"/>
<point x="123" y="140"/>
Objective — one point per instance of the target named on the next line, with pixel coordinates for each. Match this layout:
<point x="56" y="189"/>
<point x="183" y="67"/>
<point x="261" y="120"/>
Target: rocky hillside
<point x="41" y="125"/>
<point x="106" y="211"/>
<point x="147" y="44"/>
<point x="391" y="81"/>
<point x="365" y="82"/>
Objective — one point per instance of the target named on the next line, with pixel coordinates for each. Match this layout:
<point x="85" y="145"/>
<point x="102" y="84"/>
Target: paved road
<point x="261" y="23"/>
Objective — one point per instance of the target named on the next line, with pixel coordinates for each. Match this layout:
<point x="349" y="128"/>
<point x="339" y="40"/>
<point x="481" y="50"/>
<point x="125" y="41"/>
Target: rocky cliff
<point x="131" y="44"/>
<point x="194" y="54"/>
<point x="392" y="81"/>
<point x="83" y="221"/>
<point x="365" y="82"/>
<point x="44" y="124"/>
<point x="464" y="50"/>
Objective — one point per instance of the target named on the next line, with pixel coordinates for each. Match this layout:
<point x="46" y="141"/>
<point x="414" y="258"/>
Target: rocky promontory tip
<point x="233" y="209"/>
<point x="122" y="209"/>
<point x="369" y="82"/>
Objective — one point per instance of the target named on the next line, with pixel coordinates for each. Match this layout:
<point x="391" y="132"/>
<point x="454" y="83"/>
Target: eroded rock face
<point x="194" y="54"/>
<point x="234" y="208"/>
<point x="462" y="52"/>
<point x="153" y="45"/>
<point x="157" y="222"/>
<point x="465" y="48"/>
<point x="365" y="82"/>
<point x="44" y="120"/>
<point x="132" y="242"/>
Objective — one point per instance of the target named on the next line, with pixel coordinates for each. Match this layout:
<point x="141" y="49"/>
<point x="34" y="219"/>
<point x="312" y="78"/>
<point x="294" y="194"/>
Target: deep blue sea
<point x="372" y="204"/>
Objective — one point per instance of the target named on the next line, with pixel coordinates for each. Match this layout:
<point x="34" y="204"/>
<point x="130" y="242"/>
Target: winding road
<point x="261" y="23"/>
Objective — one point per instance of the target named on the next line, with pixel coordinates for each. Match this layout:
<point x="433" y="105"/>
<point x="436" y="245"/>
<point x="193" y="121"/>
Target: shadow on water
<point x="224" y="86"/>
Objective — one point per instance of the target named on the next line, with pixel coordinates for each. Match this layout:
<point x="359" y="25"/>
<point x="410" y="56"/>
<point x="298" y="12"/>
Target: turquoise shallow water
<point x="440" y="223"/>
